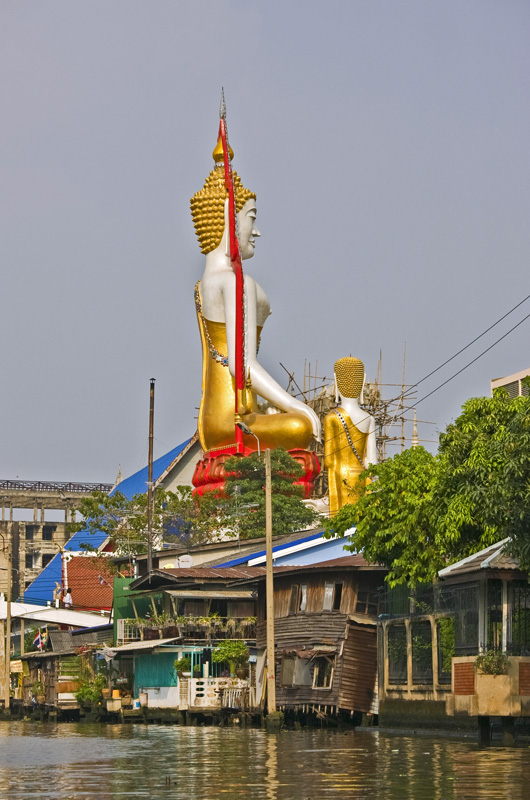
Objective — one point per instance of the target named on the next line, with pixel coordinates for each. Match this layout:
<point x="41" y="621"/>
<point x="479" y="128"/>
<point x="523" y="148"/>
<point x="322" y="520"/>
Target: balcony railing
<point x="193" y="629"/>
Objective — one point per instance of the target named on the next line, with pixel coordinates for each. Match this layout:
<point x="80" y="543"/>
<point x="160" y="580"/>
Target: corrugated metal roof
<point x="151" y="645"/>
<point x="191" y="575"/>
<point x="218" y="594"/>
<point x="65" y="616"/>
<point x="137" y="483"/>
<point x="61" y="640"/>
<point x="492" y="557"/>
<point x="255" y="552"/>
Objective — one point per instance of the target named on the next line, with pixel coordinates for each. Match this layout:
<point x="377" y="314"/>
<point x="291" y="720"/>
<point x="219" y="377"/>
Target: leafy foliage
<point x="393" y="520"/>
<point x="91" y="691"/>
<point x="492" y="663"/>
<point x="178" y="516"/>
<point x="233" y="652"/>
<point x="422" y="511"/>
<point x="243" y="509"/>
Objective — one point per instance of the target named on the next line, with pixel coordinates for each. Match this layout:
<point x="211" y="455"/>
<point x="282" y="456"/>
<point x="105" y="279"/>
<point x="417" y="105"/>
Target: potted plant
<point x="38" y="691"/>
<point x="493" y="683"/>
<point x="91" y="691"/>
<point x="183" y="666"/>
<point x="234" y="652"/>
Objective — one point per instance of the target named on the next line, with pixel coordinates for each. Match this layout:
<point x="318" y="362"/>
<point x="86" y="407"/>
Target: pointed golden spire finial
<point x="218" y="155"/>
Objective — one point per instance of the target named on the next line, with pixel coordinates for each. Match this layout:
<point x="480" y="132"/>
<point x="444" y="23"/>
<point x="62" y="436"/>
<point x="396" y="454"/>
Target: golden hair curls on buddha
<point x="208" y="204"/>
<point x="282" y="420"/>
<point x="349" y="374"/>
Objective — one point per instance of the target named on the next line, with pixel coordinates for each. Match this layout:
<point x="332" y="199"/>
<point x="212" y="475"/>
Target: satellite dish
<point x="185" y="561"/>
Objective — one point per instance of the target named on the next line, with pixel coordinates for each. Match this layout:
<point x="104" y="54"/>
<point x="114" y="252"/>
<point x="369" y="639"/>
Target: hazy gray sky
<point x="388" y="146"/>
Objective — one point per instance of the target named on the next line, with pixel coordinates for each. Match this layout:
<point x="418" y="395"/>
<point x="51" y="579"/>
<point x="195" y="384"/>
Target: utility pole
<point x="271" y="667"/>
<point x="150" y="480"/>
<point x="7" y="642"/>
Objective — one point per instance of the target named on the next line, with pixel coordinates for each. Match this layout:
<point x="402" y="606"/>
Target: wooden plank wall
<point x="316" y="583"/>
<point x="306" y="630"/>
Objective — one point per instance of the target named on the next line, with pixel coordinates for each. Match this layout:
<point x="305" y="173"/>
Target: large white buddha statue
<point x="349" y="436"/>
<point x="282" y="421"/>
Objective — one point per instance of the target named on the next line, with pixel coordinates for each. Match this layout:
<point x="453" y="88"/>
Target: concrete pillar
<point x="434" y="638"/>
<point x="35" y="513"/>
<point x="10" y="512"/>
<point x="408" y="628"/>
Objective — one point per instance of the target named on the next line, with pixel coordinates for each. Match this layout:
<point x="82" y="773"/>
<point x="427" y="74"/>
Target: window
<point x="302" y="673"/>
<point x="295" y="671"/>
<point x="293" y="603"/>
<point x="30" y="532"/>
<point x="298" y="600"/>
<point x="47" y="533"/>
<point x="397" y="654"/>
<point x="46" y="558"/>
<point x="323" y="672"/>
<point x="422" y="652"/>
<point x="29" y="560"/>
<point x="332" y="596"/>
<point x="367" y="602"/>
<point x="288" y="663"/>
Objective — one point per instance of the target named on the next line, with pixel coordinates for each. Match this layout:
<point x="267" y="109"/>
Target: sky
<point x="387" y="143"/>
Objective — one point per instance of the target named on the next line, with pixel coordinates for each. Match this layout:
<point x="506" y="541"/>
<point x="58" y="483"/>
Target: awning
<point x="150" y="645"/>
<point x="208" y="594"/>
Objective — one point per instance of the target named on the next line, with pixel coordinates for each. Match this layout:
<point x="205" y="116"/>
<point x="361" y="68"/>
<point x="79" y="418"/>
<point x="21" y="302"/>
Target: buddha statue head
<point x="349" y="376"/>
<point x="209" y="203"/>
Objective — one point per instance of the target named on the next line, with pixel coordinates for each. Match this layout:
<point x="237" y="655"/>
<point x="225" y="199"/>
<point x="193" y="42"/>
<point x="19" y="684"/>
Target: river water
<point x="63" y="762"/>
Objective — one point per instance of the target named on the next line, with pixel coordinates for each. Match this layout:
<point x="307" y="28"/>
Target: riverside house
<point x="457" y="653"/>
<point x="325" y="618"/>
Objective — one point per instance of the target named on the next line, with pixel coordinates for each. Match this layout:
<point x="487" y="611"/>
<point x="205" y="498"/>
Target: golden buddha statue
<point x="349" y="436"/>
<point x="282" y="421"/>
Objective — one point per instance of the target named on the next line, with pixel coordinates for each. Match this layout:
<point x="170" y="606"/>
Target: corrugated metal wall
<point x="359" y="666"/>
<point x="154" y="670"/>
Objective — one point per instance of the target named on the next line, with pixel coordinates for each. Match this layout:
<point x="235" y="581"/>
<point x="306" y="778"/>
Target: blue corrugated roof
<point x="279" y="547"/>
<point x="41" y="589"/>
<point x="137" y="483"/>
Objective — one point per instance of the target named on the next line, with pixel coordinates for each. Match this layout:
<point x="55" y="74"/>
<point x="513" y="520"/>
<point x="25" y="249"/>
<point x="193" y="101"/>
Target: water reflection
<point x="63" y="762"/>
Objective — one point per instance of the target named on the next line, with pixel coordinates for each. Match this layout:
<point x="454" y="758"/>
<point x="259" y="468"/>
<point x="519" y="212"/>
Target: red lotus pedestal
<point x="210" y="474"/>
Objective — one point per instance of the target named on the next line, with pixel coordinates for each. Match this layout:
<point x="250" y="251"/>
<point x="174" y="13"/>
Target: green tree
<point x="243" y="508"/>
<point x="393" y="518"/>
<point x="177" y="516"/>
<point x="181" y="516"/>
<point x="422" y="511"/>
